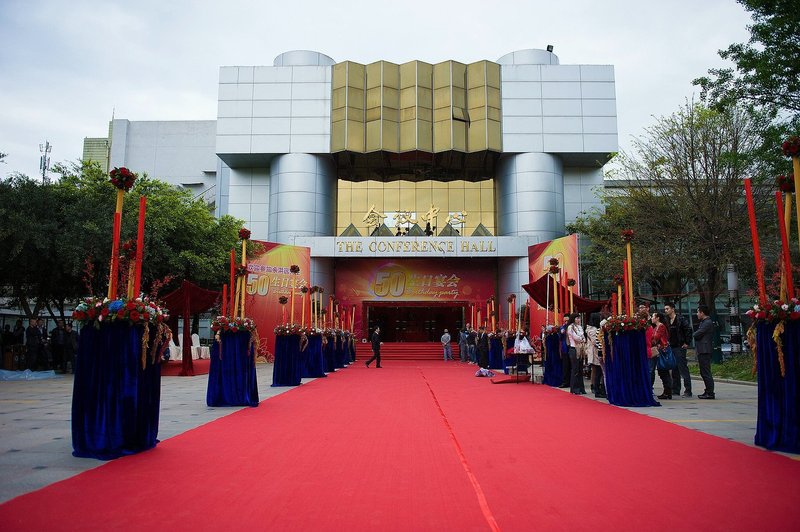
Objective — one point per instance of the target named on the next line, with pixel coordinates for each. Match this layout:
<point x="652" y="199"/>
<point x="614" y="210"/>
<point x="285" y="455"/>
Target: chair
<point x="199" y="351"/>
<point x="174" y="350"/>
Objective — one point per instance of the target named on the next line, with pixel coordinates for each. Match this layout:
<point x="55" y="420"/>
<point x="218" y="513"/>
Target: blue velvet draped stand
<point x="329" y="355"/>
<point x="288" y="367"/>
<point x="552" y="362"/>
<point x="778" y="426"/>
<point x="627" y="372"/>
<point x="115" y="402"/>
<point x="496" y="353"/>
<point x="232" y="373"/>
<point x="315" y="363"/>
<point x="342" y="355"/>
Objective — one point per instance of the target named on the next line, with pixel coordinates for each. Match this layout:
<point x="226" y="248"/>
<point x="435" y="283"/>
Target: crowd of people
<point x="37" y="349"/>
<point x="581" y="350"/>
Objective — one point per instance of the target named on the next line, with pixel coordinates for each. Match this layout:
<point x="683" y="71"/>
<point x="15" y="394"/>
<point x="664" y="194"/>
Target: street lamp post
<point x="44" y="160"/>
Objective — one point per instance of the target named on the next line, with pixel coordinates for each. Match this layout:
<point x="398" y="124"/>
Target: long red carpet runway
<point x="426" y="446"/>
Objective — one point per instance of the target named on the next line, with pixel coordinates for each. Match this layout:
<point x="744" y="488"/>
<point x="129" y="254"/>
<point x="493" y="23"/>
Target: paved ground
<point x="35" y="438"/>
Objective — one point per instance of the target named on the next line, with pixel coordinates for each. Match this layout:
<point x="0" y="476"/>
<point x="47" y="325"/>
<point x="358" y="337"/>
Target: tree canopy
<point x="767" y="67"/>
<point x="57" y="237"/>
<point x="681" y="192"/>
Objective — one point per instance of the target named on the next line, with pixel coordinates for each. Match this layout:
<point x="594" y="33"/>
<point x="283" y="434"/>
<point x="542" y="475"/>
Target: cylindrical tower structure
<point x="529" y="188"/>
<point x="302" y="202"/>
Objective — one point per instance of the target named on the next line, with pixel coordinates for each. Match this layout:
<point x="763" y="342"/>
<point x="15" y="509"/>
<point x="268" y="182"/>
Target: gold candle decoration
<point x="556" y="319"/>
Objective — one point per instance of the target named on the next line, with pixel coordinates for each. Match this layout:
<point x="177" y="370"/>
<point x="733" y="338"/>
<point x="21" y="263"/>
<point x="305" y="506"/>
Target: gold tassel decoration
<point x="776" y="337"/>
<point x="751" y="337"/>
<point x="145" y="343"/>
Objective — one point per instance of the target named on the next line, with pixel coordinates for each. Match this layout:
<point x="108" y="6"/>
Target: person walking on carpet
<point x="482" y="347"/>
<point x="376" y="348"/>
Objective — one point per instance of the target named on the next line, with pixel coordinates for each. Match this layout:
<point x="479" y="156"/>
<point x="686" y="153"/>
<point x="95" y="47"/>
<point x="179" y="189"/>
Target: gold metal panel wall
<point x="475" y="198"/>
<point x="416" y="106"/>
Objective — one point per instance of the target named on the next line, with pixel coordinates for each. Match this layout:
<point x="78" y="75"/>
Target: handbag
<point x="666" y="359"/>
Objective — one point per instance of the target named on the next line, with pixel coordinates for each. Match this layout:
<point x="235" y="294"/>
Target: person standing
<point x="33" y="343"/>
<point x="577" y="349"/>
<point x="482" y="347"/>
<point x="462" y="345"/>
<point x="448" y="350"/>
<point x="657" y="340"/>
<point x="57" y="345"/>
<point x="593" y="350"/>
<point x="702" y="344"/>
<point x="70" y="347"/>
<point x="471" y="338"/>
<point x="566" y="366"/>
<point x="679" y="336"/>
<point x="376" y="348"/>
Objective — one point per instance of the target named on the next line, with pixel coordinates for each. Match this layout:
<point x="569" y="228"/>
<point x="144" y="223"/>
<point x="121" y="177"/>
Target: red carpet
<point x="421" y="446"/>
<point x="173" y="368"/>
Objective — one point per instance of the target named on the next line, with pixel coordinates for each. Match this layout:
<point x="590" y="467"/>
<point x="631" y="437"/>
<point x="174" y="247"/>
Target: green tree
<point x="54" y="234"/>
<point x="767" y="67"/>
<point x="682" y="194"/>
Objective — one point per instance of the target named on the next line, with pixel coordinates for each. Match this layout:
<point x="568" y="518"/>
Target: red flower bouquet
<point x="122" y="178"/>
<point x="791" y="146"/>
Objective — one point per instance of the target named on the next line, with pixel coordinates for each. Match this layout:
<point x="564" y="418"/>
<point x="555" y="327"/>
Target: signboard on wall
<point x="268" y="278"/>
<point x="413" y="280"/>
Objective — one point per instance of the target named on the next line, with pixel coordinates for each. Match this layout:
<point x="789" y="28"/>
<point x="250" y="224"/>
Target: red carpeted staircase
<point x="406" y="351"/>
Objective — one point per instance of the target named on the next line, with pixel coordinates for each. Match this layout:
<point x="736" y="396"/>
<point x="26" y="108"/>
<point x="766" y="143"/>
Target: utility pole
<point x="733" y="302"/>
<point x="44" y="160"/>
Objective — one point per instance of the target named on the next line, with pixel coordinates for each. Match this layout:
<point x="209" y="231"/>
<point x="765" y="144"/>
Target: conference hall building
<point x="417" y="187"/>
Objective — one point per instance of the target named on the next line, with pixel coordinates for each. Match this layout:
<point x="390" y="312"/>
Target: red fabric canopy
<point x="538" y="292"/>
<point x="187" y="300"/>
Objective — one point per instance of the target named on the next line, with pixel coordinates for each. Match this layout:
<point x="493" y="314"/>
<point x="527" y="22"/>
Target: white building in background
<point x="302" y="149"/>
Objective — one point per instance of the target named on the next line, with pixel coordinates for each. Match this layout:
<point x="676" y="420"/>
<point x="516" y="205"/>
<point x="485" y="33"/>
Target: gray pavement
<point x="36" y="447"/>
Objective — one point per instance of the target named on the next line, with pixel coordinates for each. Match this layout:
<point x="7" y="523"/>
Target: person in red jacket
<point x="657" y="338"/>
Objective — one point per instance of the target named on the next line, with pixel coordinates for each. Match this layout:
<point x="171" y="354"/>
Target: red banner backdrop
<point x="565" y="249"/>
<point x="268" y="278"/>
<point x="407" y="280"/>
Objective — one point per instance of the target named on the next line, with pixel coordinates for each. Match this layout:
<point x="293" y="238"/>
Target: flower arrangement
<point x="283" y="300"/>
<point x="627" y="235"/>
<point x="295" y="328"/>
<point x="226" y="324"/>
<point x="785" y="183"/>
<point x="571" y="282"/>
<point x="791" y="146"/>
<point x="776" y="311"/>
<point x="241" y="270"/>
<point x="244" y="233"/>
<point x="618" y="280"/>
<point x="623" y="323"/>
<point x="122" y="178"/>
<point x="304" y="289"/>
<point x="294" y="268"/>
<point x="129" y="250"/>
<point x="134" y="311"/>
<point x="553" y="269"/>
<point x="511" y="298"/>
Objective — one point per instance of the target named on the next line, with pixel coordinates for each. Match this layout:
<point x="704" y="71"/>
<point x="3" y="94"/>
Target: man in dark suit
<point x="376" y="348"/>
<point x="482" y="343"/>
<point x="702" y="344"/>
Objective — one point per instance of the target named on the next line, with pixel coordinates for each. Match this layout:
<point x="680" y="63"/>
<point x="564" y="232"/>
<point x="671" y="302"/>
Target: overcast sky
<point x="66" y="65"/>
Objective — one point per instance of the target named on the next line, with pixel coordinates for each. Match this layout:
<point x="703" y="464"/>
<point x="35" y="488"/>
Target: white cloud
<point x="67" y="64"/>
